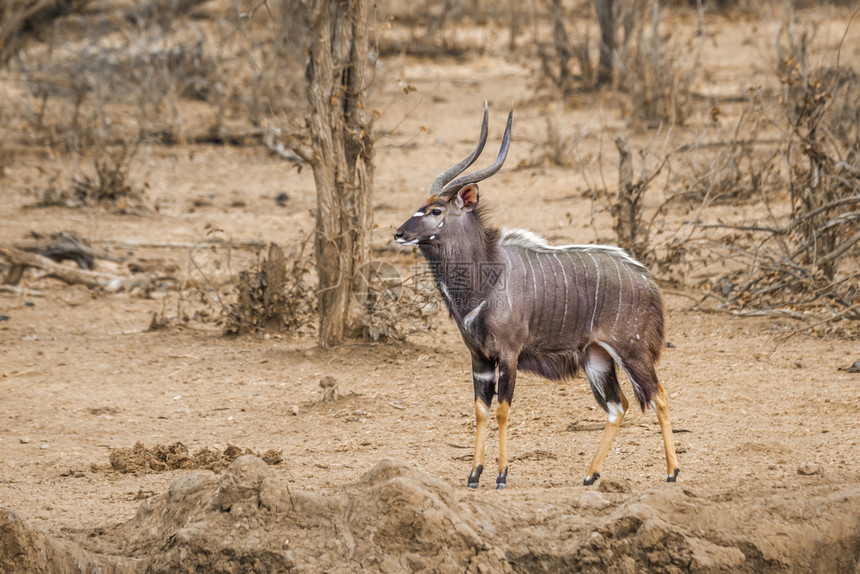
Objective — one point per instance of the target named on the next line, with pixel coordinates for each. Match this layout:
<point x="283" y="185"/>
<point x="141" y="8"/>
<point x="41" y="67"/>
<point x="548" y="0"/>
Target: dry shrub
<point x="274" y="295"/>
<point x="170" y="71"/>
<point x="801" y="260"/>
<point x="559" y="147"/>
<point x="556" y="56"/>
<point x="391" y="308"/>
<point x="656" y="75"/>
<point x="110" y="184"/>
<point x="740" y="168"/>
<point x="427" y="28"/>
<point x="647" y="64"/>
<point x="112" y="90"/>
<point x="140" y="459"/>
<point x="21" y="20"/>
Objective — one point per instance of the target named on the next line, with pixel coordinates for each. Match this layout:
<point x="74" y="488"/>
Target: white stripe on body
<point x="596" y="292"/>
<point x="618" y="310"/>
<point x="534" y="286"/>
<point x="545" y="294"/>
<point x="566" y="290"/>
<point x="507" y="279"/>
<point x="534" y="242"/>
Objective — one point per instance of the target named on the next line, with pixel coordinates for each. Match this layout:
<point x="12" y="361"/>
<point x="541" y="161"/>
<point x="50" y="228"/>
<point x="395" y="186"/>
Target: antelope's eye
<point x="436" y="212"/>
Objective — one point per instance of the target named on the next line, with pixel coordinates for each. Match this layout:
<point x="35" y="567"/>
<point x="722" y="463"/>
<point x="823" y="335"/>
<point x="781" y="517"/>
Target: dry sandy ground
<point x="767" y="433"/>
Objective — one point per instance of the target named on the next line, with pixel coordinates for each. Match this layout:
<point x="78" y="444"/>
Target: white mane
<point x="530" y="240"/>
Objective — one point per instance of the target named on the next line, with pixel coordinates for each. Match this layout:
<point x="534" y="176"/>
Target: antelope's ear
<point x="467" y="197"/>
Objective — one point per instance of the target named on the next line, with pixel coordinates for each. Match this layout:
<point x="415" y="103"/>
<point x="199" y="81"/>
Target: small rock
<point x="294" y="410"/>
<point x="855" y="368"/>
<point x="670" y="345"/>
<point x="592" y="499"/>
<point x="329" y="386"/>
<point x="4" y="318"/>
<point x="282" y="199"/>
<point x="29" y="304"/>
<point x="809" y="469"/>
<point x="43" y="447"/>
<point x="609" y="485"/>
<point x="24" y="440"/>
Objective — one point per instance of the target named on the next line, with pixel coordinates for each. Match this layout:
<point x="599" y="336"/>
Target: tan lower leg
<point x="482" y="412"/>
<point x="502" y="418"/>
<point x="661" y="405"/>
<point x="613" y="423"/>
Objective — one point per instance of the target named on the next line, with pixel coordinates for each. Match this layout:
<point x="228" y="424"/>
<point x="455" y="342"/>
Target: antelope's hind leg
<point x="661" y="406"/>
<point x="643" y="376"/>
<point x="602" y="378"/>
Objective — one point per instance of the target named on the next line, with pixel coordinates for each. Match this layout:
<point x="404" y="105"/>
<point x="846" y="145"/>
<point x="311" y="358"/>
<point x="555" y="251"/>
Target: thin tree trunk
<point x="342" y="159"/>
<point x="628" y="209"/>
<point x="607" y="10"/>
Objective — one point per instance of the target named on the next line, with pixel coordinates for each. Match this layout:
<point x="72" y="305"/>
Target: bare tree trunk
<point x="562" y="48"/>
<point x="628" y="209"/>
<point x="607" y="11"/>
<point x="342" y="154"/>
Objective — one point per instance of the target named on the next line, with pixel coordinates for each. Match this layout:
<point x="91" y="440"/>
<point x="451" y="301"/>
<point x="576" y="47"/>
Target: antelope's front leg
<point x="484" y="380"/>
<point x="507" y="380"/>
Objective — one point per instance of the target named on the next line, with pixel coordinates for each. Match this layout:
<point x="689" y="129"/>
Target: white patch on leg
<point x="485" y="377"/>
<point x="473" y="314"/>
<point x="596" y="368"/>
<point x="483" y="409"/>
<point x="616" y="411"/>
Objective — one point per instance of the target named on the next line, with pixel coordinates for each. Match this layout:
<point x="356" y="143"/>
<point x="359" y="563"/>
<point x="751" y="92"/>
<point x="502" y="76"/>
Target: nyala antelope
<point x="521" y="303"/>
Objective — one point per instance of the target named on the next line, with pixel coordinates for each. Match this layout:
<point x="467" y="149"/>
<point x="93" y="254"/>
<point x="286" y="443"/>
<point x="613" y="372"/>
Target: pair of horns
<point x="443" y="183"/>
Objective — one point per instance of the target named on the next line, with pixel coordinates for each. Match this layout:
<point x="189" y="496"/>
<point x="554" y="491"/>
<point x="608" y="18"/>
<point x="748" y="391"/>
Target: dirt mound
<point x="24" y="550"/>
<point x="671" y="530"/>
<point x="394" y="519"/>
<point x="398" y="519"/>
<point x="139" y="459"/>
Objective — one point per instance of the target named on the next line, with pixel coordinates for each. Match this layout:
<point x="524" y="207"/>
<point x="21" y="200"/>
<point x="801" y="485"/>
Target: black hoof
<point x="589" y="480"/>
<point x="502" y="480"/>
<point x="672" y="477"/>
<point x="475" y="476"/>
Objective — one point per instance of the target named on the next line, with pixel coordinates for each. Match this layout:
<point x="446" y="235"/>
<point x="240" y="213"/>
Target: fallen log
<point x="135" y="244"/>
<point x="70" y="275"/>
<point x="59" y="247"/>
